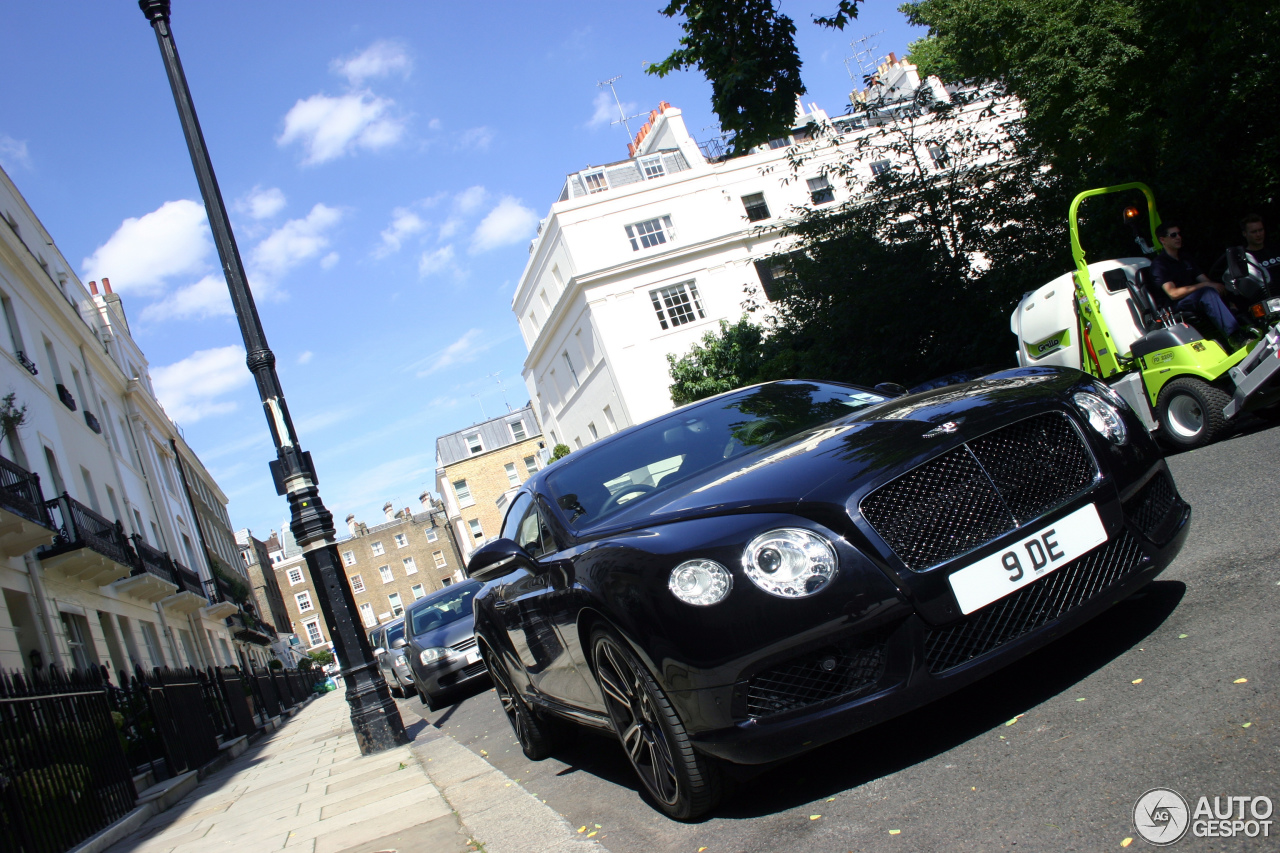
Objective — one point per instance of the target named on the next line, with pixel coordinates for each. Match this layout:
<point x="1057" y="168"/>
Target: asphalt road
<point x="1049" y="754"/>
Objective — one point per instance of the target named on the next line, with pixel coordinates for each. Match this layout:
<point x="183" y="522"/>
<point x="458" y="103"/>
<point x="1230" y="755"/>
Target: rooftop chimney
<point x="351" y="524"/>
<point x="387" y="510"/>
<point x="93" y="288"/>
<point x="106" y="284"/>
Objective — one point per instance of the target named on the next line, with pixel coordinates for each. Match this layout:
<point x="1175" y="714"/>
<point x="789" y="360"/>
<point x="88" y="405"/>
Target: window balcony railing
<point x="65" y="396"/>
<point x="153" y="561"/>
<point x="78" y="527"/>
<point x="26" y="362"/>
<point x="20" y="493"/>
<point x="187" y="580"/>
<point x="91" y="421"/>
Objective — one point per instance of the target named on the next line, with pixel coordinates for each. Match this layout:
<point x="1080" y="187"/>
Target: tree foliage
<point x="728" y="359"/>
<point x="1179" y="94"/>
<point x="560" y="451"/>
<point x="747" y="51"/>
<point x="931" y="59"/>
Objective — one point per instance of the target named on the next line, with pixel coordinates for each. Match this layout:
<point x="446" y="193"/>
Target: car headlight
<point x="1111" y="394"/>
<point x="700" y="582"/>
<point x="433" y="655"/>
<point x="1102" y="416"/>
<point x="790" y="562"/>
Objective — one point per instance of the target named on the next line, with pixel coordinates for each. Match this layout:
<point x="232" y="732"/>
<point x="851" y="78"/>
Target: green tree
<point x="560" y="451"/>
<point x="321" y="657"/>
<point x="1180" y="94"/>
<point x="723" y="361"/>
<point x="931" y="58"/>
<point x="747" y="51"/>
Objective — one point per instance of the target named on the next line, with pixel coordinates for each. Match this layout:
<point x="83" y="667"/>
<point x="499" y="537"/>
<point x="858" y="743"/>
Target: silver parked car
<point x="389" y="649"/>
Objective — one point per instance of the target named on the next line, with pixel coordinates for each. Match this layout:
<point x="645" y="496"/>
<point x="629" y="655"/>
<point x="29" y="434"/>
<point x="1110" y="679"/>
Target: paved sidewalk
<point x="305" y="787"/>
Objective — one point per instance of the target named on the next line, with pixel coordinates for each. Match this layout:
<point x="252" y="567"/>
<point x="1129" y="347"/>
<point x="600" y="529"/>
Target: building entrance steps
<point x="305" y="787"/>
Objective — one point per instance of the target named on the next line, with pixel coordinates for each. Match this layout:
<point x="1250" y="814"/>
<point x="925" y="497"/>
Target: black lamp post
<point x="374" y="715"/>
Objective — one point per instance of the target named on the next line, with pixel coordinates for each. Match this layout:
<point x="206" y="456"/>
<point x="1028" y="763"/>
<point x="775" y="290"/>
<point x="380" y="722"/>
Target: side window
<point x="511" y="524"/>
<point x="529" y="537"/>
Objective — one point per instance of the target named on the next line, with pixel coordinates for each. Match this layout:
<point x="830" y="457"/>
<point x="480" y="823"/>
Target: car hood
<point x="449" y="635"/>
<point x="825" y="463"/>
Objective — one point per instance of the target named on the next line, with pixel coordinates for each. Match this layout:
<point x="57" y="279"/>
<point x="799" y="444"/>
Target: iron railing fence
<point x="153" y="561"/>
<point x="63" y="771"/>
<point x="20" y="493"/>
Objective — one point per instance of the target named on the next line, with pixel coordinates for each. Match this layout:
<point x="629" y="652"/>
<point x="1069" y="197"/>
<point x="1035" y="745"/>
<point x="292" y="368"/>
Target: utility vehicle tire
<point x="1190" y="412"/>
<point x="682" y="783"/>
<point x="534" y="735"/>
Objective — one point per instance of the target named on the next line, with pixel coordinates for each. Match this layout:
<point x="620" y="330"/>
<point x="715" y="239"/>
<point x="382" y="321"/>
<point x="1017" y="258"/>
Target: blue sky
<point x="386" y="165"/>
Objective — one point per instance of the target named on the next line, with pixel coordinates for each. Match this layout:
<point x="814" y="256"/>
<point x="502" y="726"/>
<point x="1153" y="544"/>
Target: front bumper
<point x="919" y="662"/>
<point x="1257" y="376"/>
<point x="451" y="674"/>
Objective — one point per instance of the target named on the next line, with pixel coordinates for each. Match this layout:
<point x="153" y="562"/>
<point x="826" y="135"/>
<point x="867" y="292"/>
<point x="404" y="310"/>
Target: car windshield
<point x="395" y="632"/>
<point x="671" y="450"/>
<point x="449" y="607"/>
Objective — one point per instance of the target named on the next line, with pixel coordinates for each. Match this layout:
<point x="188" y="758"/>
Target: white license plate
<point x="472" y="657"/>
<point x="1032" y="558"/>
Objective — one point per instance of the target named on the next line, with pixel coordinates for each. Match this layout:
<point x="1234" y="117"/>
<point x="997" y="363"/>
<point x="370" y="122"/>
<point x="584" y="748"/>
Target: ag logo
<point x="942" y="429"/>
<point x="1161" y="816"/>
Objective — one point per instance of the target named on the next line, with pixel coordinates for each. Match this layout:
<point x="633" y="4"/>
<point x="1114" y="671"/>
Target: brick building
<point x="388" y="566"/>
<point x="478" y="467"/>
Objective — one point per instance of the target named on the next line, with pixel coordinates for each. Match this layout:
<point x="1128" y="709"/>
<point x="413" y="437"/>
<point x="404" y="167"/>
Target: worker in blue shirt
<point x="1191" y="290"/>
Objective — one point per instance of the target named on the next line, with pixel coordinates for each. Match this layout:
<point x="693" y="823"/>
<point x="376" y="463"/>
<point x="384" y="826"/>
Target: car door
<point x="516" y="599"/>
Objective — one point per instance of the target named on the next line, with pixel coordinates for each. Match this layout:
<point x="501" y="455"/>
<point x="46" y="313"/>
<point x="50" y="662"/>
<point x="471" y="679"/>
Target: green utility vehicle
<point x="1107" y="319"/>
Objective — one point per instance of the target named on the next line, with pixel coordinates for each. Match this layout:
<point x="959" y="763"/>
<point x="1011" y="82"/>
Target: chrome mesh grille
<point x="980" y="490"/>
<point x="1151" y="509"/>
<point x="1032" y="606"/>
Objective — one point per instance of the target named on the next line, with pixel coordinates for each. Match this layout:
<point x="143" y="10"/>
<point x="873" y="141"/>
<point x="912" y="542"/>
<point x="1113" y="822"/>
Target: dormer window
<point x="596" y="182"/>
<point x="652" y="167"/>
<point x="650" y="233"/>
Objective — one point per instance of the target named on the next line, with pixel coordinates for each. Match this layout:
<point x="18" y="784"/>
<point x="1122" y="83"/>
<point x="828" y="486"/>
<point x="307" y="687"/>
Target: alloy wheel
<point x="637" y="721"/>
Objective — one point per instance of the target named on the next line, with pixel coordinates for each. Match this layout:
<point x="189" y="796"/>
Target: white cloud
<point x="439" y="262"/>
<point x="434" y="124"/>
<point x="329" y="261"/>
<point x="465" y="204"/>
<point x="465" y="349"/>
<point x="329" y="127"/>
<point x="404" y="224"/>
<point x="289" y="245"/>
<point x="13" y="153"/>
<point x="189" y="389"/>
<point x="208" y="297"/>
<point x="606" y="110"/>
<point x="509" y="222"/>
<point x="262" y="204"/>
<point x="379" y="59"/>
<point x="305" y="357"/>
<point x="477" y="138"/>
<point x="170" y="241"/>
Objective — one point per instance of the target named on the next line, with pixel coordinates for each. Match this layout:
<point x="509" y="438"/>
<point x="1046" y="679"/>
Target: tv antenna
<point x="501" y="386"/>
<point x="866" y="55"/>
<point x="478" y="395"/>
<point x="623" y="119"/>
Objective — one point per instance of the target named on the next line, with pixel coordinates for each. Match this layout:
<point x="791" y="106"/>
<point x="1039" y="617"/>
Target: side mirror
<point x="497" y="558"/>
<point x="399" y="644"/>
<point x="379" y="652"/>
<point x="890" y="389"/>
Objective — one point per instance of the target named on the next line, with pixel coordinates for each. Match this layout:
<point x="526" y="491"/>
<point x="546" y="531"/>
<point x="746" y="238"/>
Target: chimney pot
<point x="93" y="288"/>
<point x="106" y="284"/>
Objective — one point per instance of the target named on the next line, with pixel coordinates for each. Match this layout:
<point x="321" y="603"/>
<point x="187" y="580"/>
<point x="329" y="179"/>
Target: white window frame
<point x="410" y="567"/>
<point x="879" y="167"/>
<point x="531" y="465"/>
<point x="438" y="556"/>
<point x="432" y="536"/>
<point x="417" y="591"/>
<point x="512" y="477"/>
<point x="357" y="583"/>
<point x="651" y="167"/>
<point x="348" y="558"/>
<point x="650" y="233"/>
<point x="385" y="573"/>
<point x="677" y="296"/>
<point x="476" y="528"/>
<point x="820" y="186"/>
<point x="396" y="603"/>
<point x="756" y="202"/>
<point x="295" y="581"/>
<point x="315" y="637"/>
<point x="303" y="601"/>
<point x="595" y="182"/>
<point x="401" y="540"/>
<point x="463" y="495"/>
<point x="367" y="615"/>
<point x="478" y="443"/>
<point x="520" y="436"/>
<point x="377" y="549"/>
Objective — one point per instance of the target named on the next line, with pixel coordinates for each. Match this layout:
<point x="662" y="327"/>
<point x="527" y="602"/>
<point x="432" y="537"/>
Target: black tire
<point x="426" y="699"/>
<point x="534" y="735"/>
<point x="682" y="783"/>
<point x="1190" y="411"/>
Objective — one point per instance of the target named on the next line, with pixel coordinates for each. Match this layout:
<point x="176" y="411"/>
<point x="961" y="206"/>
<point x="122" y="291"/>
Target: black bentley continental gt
<point x="755" y="575"/>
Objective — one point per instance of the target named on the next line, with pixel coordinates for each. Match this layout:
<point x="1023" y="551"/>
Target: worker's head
<point x="1170" y="235"/>
<point x="1255" y="234"/>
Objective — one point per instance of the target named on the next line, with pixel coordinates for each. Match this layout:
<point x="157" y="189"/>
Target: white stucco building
<point x="640" y="258"/>
<point x="127" y="580"/>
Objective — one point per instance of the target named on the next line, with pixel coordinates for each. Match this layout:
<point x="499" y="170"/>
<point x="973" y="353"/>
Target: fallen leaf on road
<point x="592" y="833"/>
<point x="700" y="849"/>
<point x="1245" y="725"/>
<point x="814" y="816"/>
<point x="1081" y="699"/>
<point x="1015" y="719"/>
<point x="598" y="826"/>
<point x="482" y="752"/>
<point x="1126" y="842"/>
<point x="831" y="799"/>
<point x="1182" y="636"/>
<point x="582" y="829"/>
<point x="1136" y="681"/>
<point x="1241" y="681"/>
<point x="895" y="832"/>
<point x="973" y="789"/>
